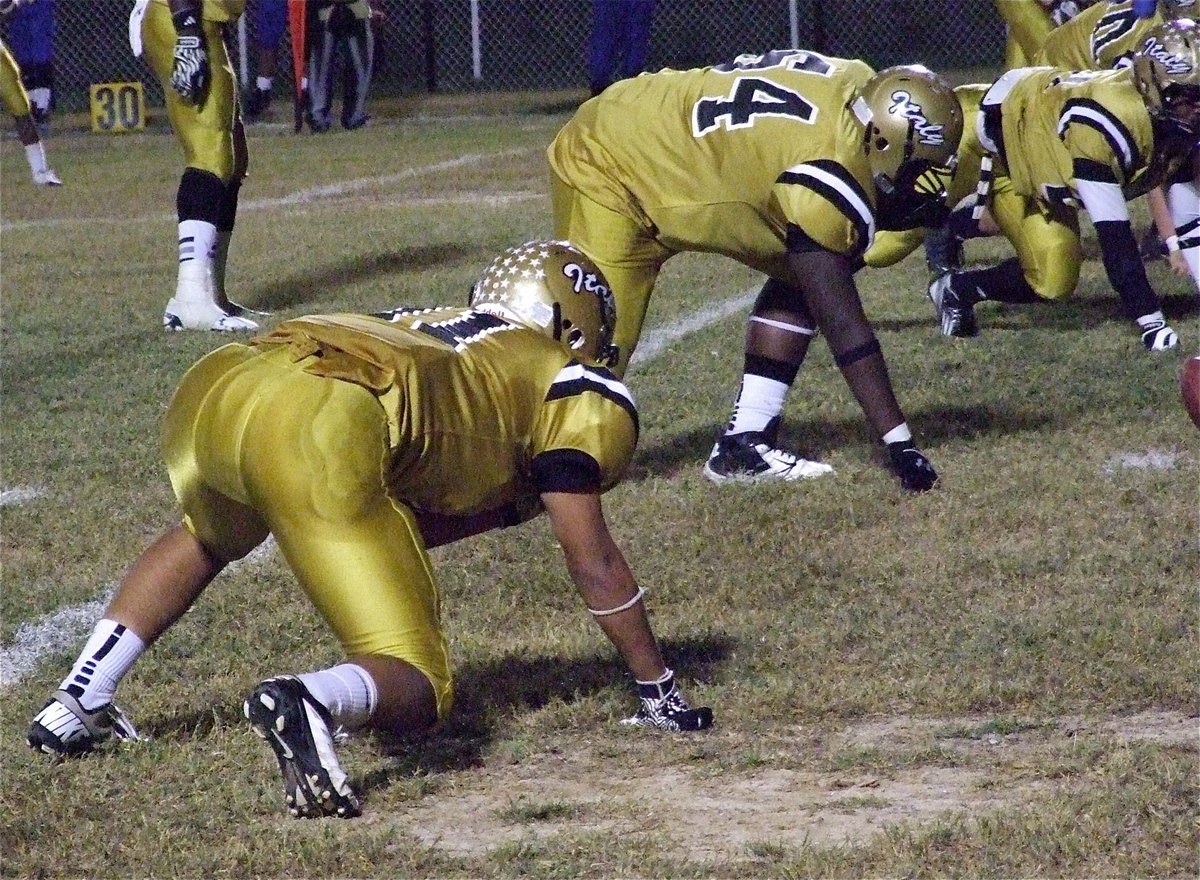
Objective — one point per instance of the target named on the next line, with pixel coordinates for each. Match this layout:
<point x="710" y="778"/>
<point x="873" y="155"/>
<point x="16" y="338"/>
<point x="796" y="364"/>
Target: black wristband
<point x="187" y="21"/>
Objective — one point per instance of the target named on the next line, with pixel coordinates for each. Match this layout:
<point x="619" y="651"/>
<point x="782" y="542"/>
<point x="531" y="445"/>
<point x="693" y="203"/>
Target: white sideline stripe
<point x="59" y="631"/>
<point x="1150" y="460"/>
<point x="67" y="626"/>
<point x="304" y="196"/>
<point x="19" y="495"/>
<point x="656" y="341"/>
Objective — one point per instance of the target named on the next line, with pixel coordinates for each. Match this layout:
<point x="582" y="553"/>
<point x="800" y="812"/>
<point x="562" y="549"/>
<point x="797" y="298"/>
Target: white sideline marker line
<point x="19" y="495"/>
<point x="68" y="626"/>
<point x="656" y="341"/>
<point x="300" y="197"/>
<point x="1150" y="460"/>
<point x="56" y="632"/>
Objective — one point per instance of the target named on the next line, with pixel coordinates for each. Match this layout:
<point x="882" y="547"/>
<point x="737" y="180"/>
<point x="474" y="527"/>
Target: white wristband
<point x="1172" y="243"/>
<point x="637" y="597"/>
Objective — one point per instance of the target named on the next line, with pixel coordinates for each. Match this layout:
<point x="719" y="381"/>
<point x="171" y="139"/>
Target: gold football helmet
<point x="1167" y="72"/>
<point x="552" y="287"/>
<point x="912" y="125"/>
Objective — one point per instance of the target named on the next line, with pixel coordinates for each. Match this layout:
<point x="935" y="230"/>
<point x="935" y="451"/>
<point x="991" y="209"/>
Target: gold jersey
<point x="722" y="159"/>
<point x="1099" y="38"/>
<point x="480" y="411"/>
<point x="220" y="11"/>
<point x="1063" y="126"/>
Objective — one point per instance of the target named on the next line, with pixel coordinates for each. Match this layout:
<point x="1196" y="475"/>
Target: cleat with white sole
<point x="64" y="728"/>
<point x="204" y="316"/>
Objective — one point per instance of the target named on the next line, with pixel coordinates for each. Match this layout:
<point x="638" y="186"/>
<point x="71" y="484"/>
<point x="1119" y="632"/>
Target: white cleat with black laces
<point x="181" y="315"/>
<point x="750" y="457"/>
<point x="64" y="728"/>
<point x="301" y="733"/>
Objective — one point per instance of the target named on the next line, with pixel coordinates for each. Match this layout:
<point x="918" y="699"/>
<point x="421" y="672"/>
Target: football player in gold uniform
<point x="1106" y="36"/>
<point x="358" y="442"/>
<point x="16" y="102"/>
<point x="184" y="43"/>
<point x="1061" y="140"/>
<point x="787" y="162"/>
<point x="1029" y="23"/>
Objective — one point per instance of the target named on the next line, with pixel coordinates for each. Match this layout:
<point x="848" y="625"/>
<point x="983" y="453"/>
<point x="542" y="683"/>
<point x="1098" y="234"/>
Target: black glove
<point x="664" y="708"/>
<point x="915" y="472"/>
<point x="190" y="74"/>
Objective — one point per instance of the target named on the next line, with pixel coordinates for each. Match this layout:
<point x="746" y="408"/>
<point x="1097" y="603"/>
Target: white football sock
<point x="759" y="400"/>
<point x="347" y="691"/>
<point x="40" y="98"/>
<point x="110" y="652"/>
<point x="35" y="154"/>
<point x="196" y="240"/>
<point x="264" y="83"/>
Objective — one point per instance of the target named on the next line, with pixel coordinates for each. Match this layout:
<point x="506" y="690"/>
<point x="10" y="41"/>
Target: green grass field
<point x="998" y="678"/>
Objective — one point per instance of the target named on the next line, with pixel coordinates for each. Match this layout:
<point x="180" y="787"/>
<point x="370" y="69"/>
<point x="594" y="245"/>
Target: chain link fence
<point x="481" y="45"/>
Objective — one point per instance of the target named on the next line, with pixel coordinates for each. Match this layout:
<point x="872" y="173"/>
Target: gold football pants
<point x="622" y="249"/>
<point x="255" y="445"/>
<point x="16" y="99"/>
<point x="210" y="133"/>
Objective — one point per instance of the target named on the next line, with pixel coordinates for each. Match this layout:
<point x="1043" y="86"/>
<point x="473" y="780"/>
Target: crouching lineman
<point x="1058" y="139"/>
<point x="789" y="163"/>
<point x="480" y="417"/>
<point x="184" y="43"/>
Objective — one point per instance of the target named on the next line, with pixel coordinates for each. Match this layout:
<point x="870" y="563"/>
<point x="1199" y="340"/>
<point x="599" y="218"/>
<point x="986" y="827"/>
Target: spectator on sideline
<point x="31" y="40"/>
<point x="340" y="27"/>
<point x="788" y="163"/>
<point x="184" y="43"/>
<point x="620" y="40"/>
<point x="270" y="23"/>
<point x="481" y="416"/>
<point x="16" y="102"/>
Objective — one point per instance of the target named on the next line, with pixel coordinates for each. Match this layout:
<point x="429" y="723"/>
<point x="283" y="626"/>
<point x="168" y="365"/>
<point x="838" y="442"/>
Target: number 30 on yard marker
<point x="118" y="107"/>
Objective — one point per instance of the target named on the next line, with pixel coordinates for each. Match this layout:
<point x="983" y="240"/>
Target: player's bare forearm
<point x="833" y="300"/>
<point x="604" y="580"/>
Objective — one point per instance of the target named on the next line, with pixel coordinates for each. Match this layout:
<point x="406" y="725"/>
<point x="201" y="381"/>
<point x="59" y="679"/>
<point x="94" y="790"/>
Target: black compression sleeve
<point x="1124" y="267"/>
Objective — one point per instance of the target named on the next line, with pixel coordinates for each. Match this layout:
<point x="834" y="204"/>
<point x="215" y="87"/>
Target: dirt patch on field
<point x="725" y="815"/>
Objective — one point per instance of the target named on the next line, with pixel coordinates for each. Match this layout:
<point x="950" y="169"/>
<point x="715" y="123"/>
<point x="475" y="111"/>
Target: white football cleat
<point x="46" y="178"/>
<point x="749" y="457"/>
<point x="204" y="316"/>
<point x="64" y="728"/>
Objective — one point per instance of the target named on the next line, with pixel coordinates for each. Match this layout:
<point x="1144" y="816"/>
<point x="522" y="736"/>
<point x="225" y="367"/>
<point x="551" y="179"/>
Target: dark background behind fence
<point x="426" y="45"/>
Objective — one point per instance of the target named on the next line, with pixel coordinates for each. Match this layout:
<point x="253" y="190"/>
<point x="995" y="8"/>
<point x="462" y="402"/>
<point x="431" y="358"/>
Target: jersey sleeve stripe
<point x="575" y="378"/>
<point x="1084" y="111"/>
<point x="837" y="186"/>
<point x="1096" y="172"/>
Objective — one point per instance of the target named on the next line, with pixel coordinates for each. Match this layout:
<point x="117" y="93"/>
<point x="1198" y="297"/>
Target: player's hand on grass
<point x="664" y="708"/>
<point x="910" y="464"/>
